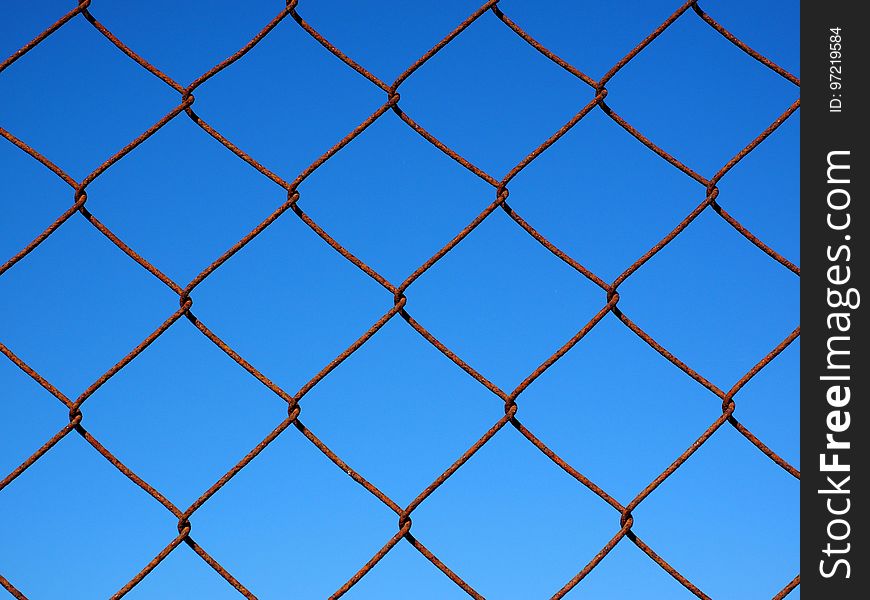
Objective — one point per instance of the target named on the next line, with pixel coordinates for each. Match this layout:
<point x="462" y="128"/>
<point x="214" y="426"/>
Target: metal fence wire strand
<point x="623" y="525"/>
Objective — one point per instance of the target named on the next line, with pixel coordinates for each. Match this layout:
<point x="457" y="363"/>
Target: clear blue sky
<point x="292" y="525"/>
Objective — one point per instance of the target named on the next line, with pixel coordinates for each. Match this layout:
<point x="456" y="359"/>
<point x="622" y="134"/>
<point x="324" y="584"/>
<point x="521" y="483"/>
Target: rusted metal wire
<point x="400" y="307"/>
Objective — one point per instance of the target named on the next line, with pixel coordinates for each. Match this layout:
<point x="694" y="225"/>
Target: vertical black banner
<point x="834" y="369"/>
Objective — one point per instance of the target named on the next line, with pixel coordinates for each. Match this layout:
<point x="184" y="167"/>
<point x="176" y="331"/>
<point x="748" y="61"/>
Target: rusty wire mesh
<point x="500" y="202"/>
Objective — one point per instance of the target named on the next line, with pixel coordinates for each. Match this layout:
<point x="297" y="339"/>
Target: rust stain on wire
<point x="510" y="399"/>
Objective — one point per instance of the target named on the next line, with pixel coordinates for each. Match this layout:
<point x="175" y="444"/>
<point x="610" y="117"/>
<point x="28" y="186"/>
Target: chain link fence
<point x="623" y="519"/>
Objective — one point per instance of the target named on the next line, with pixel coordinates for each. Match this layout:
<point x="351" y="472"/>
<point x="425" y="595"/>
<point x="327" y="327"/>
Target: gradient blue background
<point x="292" y="525"/>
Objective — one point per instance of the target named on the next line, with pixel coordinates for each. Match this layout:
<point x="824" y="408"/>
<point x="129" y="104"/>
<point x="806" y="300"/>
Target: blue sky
<point x="510" y="522"/>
